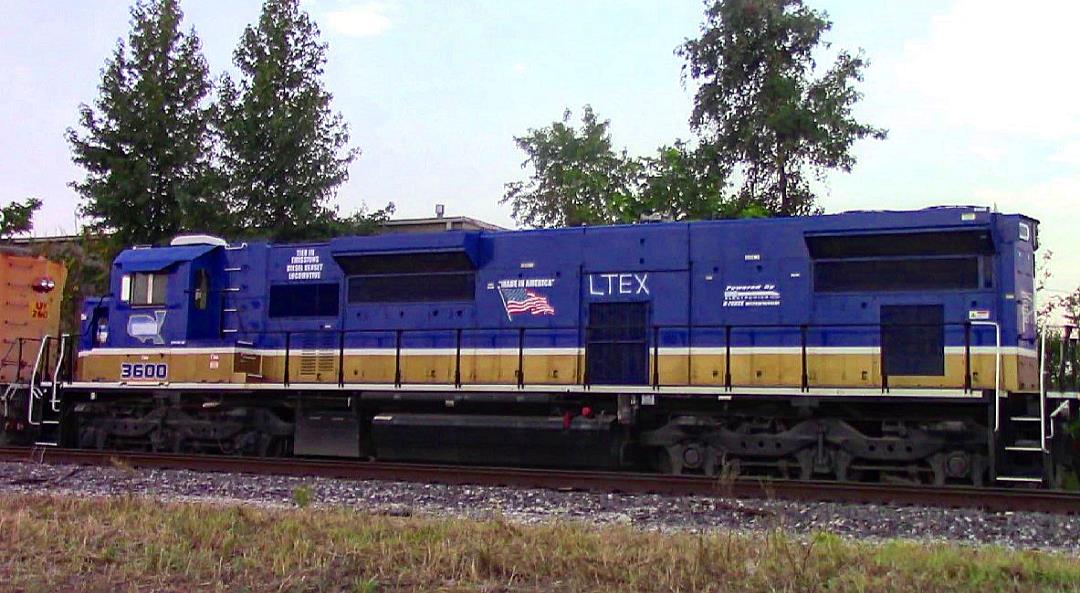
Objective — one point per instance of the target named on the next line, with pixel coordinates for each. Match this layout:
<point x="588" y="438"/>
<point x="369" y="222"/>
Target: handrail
<point x="54" y="398"/>
<point x="672" y="326"/>
<point x="516" y="340"/>
<point x="32" y="391"/>
<point x="1062" y="407"/>
<point x="1042" y="391"/>
<point x="997" y="371"/>
<point x="1045" y="374"/>
<point x="727" y="333"/>
<point x="1058" y="380"/>
<point x="37" y="359"/>
<point x="19" y="362"/>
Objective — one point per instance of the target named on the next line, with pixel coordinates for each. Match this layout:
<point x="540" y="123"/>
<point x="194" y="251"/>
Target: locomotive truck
<point x="878" y="346"/>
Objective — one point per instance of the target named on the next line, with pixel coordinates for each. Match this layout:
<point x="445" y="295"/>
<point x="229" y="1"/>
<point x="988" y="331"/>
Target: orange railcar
<point x="31" y="293"/>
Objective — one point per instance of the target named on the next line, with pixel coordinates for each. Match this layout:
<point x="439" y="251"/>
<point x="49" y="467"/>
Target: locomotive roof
<point x="938" y="217"/>
<point x="854" y="221"/>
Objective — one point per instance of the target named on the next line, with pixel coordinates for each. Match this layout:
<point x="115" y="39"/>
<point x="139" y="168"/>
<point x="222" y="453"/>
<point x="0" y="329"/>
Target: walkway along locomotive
<point x="855" y="346"/>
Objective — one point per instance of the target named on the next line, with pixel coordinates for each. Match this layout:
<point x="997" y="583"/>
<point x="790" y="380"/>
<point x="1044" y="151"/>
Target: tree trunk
<point x="785" y="202"/>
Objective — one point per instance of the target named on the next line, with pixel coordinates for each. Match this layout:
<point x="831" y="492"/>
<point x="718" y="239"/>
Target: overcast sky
<point x="980" y="96"/>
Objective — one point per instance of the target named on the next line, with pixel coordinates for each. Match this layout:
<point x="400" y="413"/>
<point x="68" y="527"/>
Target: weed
<point x="366" y="586"/>
<point x="121" y="464"/>
<point x="302" y="496"/>
<point x="1070" y="481"/>
<point x="727" y="474"/>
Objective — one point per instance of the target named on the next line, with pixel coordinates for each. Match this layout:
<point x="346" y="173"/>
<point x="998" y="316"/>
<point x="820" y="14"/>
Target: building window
<point x="304" y="300"/>
<point x="141" y="288"/>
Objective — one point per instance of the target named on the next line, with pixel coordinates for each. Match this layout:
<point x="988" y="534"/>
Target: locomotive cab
<point x="161" y="297"/>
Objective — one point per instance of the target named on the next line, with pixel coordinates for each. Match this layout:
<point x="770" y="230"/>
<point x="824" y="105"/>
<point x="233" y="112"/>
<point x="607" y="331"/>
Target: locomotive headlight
<point x="44" y="285"/>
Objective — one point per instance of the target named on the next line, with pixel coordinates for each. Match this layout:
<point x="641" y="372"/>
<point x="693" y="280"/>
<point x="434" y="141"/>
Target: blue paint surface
<point x="692" y="274"/>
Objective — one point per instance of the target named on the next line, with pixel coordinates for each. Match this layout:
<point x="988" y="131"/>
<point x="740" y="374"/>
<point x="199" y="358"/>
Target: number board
<point x="144" y="370"/>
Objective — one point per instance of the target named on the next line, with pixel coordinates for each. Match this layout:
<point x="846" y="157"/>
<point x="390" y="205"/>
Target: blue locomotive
<point x="858" y="346"/>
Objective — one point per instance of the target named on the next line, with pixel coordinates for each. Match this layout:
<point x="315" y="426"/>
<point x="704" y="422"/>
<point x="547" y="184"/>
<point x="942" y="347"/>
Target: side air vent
<point x="843" y="246"/>
<point x="412" y="277"/>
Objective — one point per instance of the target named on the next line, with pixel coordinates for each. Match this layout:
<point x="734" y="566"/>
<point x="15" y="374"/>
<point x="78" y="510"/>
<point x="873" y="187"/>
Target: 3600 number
<point x="143" y="370"/>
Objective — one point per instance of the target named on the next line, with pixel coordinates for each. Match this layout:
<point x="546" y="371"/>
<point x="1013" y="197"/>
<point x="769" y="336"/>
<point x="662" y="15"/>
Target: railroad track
<point x="990" y="499"/>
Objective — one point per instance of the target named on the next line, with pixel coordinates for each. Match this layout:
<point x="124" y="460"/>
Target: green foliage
<point x="1070" y="481"/>
<point x="578" y="178"/>
<point x="284" y="152"/>
<point x="1056" y="308"/>
<point x="366" y="585"/>
<point x="1067" y="304"/>
<point x="759" y="105"/>
<point x="1073" y="428"/>
<point x="678" y="183"/>
<point x="760" y="112"/>
<point x="87" y="261"/>
<point x="143" y="144"/>
<point x="303" y="495"/>
<point x="1062" y="358"/>
<point x="16" y="217"/>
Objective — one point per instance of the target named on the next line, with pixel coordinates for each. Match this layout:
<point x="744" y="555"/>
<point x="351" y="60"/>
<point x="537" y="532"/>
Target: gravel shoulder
<point x="530" y="506"/>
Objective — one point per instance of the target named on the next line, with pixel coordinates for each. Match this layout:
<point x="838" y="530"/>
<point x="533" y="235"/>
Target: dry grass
<point x="132" y="544"/>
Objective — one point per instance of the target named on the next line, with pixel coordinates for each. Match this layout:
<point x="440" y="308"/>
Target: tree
<point x="1042" y="282"/>
<point x="759" y="105"/>
<point x="578" y="178"/>
<point x="679" y="183"/>
<point x="1069" y="306"/>
<point x="144" y="142"/>
<point x="284" y="151"/>
<point x="17" y="218"/>
<point x="360" y="222"/>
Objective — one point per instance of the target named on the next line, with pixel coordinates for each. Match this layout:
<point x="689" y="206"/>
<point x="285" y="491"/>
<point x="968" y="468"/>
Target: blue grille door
<point x="617" y="346"/>
<point x="913" y="339"/>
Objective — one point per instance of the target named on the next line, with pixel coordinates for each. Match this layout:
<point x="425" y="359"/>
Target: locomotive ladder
<point x="1021" y="442"/>
<point x="1020" y="438"/>
<point x="230" y="305"/>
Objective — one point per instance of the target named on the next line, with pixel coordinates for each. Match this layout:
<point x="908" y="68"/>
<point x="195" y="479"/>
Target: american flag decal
<point x="522" y="300"/>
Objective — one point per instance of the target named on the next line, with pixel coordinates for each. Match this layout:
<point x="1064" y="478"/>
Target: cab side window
<point x="202" y="289"/>
<point x="141" y="288"/>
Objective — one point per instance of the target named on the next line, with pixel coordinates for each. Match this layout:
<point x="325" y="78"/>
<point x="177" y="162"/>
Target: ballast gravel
<point x="1020" y="530"/>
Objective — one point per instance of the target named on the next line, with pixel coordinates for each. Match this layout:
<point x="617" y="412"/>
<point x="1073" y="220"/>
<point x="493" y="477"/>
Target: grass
<point x="302" y="496"/>
<point x="134" y="544"/>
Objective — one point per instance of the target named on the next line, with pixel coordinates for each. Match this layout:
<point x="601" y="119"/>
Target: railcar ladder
<point x="1021" y="447"/>
<point x="41" y="411"/>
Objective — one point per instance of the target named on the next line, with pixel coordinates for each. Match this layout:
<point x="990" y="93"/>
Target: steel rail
<point x="988" y="499"/>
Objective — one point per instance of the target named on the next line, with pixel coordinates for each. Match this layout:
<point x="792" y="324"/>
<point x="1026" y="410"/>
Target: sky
<point x="979" y="97"/>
